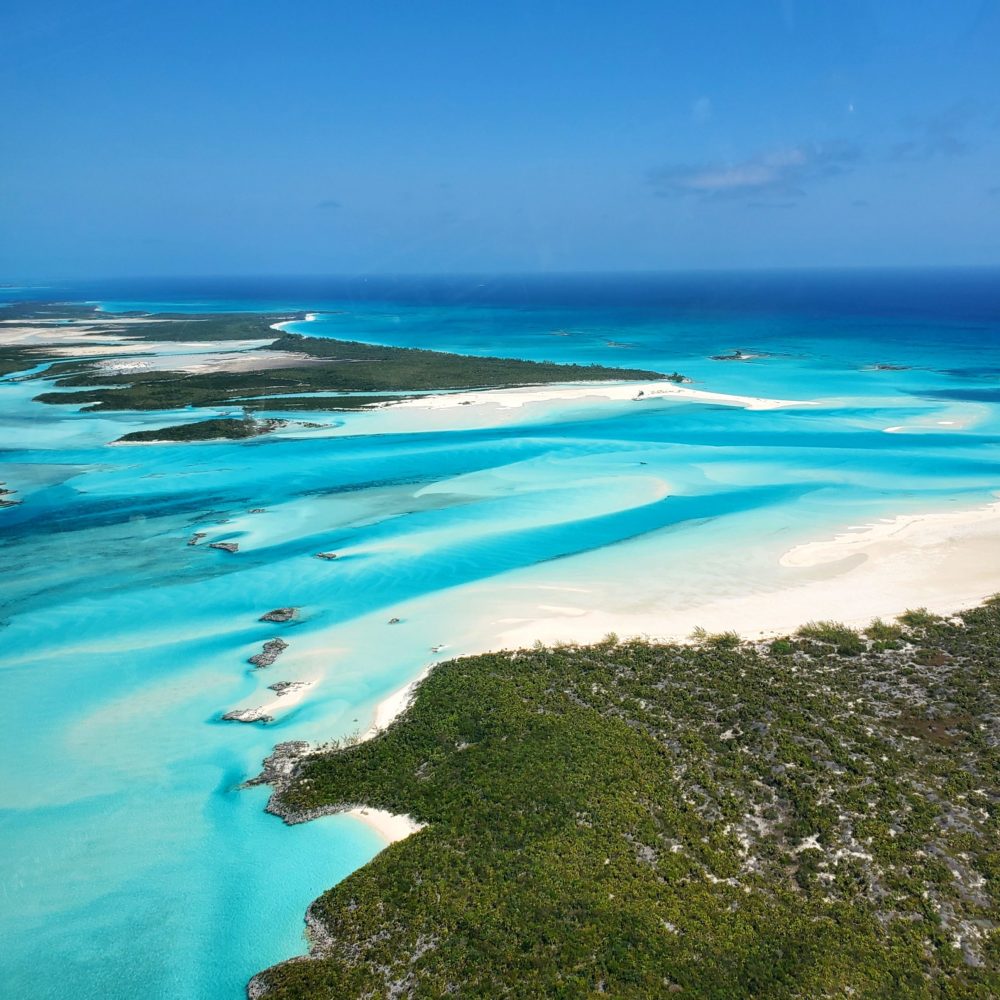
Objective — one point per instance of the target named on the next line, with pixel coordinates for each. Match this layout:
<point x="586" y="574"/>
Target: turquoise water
<point x="132" y="864"/>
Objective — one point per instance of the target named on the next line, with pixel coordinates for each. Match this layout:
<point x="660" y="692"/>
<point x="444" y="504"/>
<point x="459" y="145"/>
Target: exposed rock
<point x="279" y="615"/>
<point x="280" y="766"/>
<point x="395" y="621"/>
<point x="287" y="687"/>
<point x="196" y="537"/>
<point x="889" y="368"/>
<point x="736" y="355"/>
<point x="248" y="715"/>
<point x="273" y="648"/>
<point x="5" y="496"/>
<point x="225" y="546"/>
<point x="257" y="510"/>
<point x="326" y="555"/>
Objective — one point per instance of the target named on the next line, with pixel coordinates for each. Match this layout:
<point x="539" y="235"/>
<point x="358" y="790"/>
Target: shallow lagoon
<point x="132" y="866"/>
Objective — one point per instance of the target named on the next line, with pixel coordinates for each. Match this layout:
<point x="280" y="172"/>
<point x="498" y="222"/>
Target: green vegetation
<point x="918" y="617"/>
<point x="881" y="631"/>
<point x="846" y="641"/>
<point x="635" y="820"/>
<point x="328" y="365"/>
<point x="232" y="428"/>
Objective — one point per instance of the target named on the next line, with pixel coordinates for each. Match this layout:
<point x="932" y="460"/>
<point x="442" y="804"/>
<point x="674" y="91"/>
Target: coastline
<point x="942" y="561"/>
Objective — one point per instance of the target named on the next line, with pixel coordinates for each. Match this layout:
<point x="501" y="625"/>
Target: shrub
<point x="918" y="617"/>
<point x="881" y="631"/>
<point x="847" y="641"/>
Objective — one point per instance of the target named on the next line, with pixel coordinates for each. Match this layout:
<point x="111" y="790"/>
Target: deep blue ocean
<point x="132" y="864"/>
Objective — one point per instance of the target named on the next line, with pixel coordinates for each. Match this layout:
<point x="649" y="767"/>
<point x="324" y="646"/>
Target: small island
<point x="227" y="428"/>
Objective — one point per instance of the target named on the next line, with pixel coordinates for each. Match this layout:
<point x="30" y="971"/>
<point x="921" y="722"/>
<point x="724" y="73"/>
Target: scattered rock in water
<point x="310" y="424"/>
<point x="248" y="715"/>
<point x="326" y="555"/>
<point x="273" y="648"/>
<point x="257" y="510"/>
<point x="287" y="687"/>
<point x="736" y="355"/>
<point x="225" y="546"/>
<point x="437" y="649"/>
<point x="889" y="368"/>
<point x="196" y="537"/>
<point x="5" y="495"/>
<point x="280" y="615"/>
<point x="394" y="621"/>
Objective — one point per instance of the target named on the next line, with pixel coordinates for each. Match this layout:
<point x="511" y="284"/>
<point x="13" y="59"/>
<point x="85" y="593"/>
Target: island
<point x="252" y="362"/>
<point x="810" y="816"/>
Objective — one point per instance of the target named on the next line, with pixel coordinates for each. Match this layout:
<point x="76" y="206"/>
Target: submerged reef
<point x="814" y="816"/>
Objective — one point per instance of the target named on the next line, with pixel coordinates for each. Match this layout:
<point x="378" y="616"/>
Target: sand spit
<point x="617" y="391"/>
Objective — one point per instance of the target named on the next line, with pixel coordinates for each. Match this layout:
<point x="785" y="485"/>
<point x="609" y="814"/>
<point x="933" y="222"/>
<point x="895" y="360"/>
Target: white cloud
<point x="779" y="171"/>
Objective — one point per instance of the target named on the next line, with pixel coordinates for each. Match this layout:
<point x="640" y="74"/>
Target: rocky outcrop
<point x="279" y="771"/>
<point x="280" y="615"/>
<point x="326" y="555"/>
<point x="5" y="497"/>
<point x="225" y="546"/>
<point x="273" y="648"/>
<point x="279" y="768"/>
<point x="196" y="537"/>
<point x="287" y="687"/>
<point x="248" y="715"/>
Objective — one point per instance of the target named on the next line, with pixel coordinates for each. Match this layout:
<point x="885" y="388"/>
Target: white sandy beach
<point x="943" y="561"/>
<point x="389" y="826"/>
<point x="619" y="391"/>
<point x="392" y="707"/>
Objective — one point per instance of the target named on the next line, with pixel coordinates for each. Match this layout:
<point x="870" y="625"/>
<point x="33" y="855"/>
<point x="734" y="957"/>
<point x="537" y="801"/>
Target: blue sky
<point x="225" y="137"/>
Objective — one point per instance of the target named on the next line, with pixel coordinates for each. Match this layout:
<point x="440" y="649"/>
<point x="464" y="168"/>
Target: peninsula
<point x="812" y="816"/>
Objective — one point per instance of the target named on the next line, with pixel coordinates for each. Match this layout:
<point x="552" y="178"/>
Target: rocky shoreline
<point x="320" y="943"/>
<point x="279" y="771"/>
